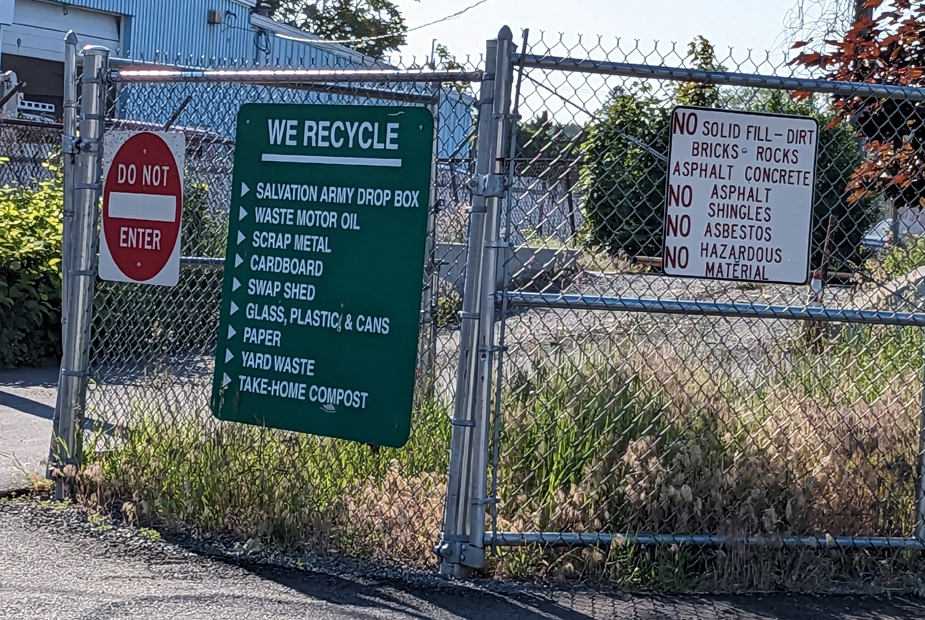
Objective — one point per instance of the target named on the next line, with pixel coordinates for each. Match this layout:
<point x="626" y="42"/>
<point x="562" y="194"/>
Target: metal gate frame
<point x="465" y="539"/>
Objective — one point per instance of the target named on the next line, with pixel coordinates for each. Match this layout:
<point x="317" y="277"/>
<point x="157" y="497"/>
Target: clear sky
<point x="742" y="24"/>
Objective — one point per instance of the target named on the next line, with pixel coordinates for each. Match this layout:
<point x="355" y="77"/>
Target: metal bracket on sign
<point x="464" y="423"/>
<point x="485" y="501"/>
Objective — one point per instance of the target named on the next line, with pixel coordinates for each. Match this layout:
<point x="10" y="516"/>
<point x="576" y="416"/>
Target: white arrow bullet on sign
<point x="238" y="260"/>
<point x="241" y="237"/>
<point x="244" y="189"/>
<point x="225" y="379"/>
<point x="234" y="308"/>
<point x="242" y="213"/>
<point x="231" y="332"/>
<point x="235" y="285"/>
<point x="228" y="356"/>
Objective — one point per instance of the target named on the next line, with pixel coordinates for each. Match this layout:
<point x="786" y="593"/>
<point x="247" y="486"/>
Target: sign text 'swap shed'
<point x="142" y="207"/>
<point x="739" y="195"/>
<point x="323" y="272"/>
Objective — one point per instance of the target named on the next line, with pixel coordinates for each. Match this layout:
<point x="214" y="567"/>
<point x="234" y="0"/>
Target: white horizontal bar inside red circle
<point x="151" y="207"/>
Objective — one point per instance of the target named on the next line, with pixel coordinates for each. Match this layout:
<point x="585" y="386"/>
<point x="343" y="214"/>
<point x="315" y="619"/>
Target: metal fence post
<point x="920" y="478"/>
<point x="428" y="348"/>
<point x="495" y="187"/>
<point x="69" y="156"/>
<point x="454" y="540"/>
<point x="81" y="256"/>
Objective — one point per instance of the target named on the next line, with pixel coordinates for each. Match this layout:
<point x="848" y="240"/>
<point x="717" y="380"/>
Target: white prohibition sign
<point x="739" y="199"/>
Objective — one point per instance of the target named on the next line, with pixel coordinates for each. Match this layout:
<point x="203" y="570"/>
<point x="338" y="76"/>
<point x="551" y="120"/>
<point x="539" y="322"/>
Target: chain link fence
<point x="26" y="149"/>
<point x="696" y="432"/>
<point x="580" y="414"/>
<point x="149" y="440"/>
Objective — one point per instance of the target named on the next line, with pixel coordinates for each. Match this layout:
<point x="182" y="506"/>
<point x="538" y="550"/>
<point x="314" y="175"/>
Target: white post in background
<point x="461" y="545"/>
<point x="80" y="252"/>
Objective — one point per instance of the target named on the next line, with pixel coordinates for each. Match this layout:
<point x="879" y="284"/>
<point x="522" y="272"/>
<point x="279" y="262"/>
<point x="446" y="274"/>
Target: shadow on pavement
<point x="428" y="602"/>
<point x="26" y="405"/>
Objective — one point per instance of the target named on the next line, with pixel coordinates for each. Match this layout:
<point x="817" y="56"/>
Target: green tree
<point x="838" y="156"/>
<point x="624" y="165"/>
<point x="376" y="26"/>
<point x="30" y="270"/>
<point x="623" y="177"/>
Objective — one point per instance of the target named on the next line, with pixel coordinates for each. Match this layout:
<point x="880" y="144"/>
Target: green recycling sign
<point x="323" y="271"/>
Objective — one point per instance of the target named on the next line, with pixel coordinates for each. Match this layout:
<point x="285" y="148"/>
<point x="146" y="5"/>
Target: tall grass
<point x="620" y="438"/>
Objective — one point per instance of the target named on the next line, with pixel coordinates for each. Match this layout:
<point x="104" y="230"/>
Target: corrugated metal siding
<point x="177" y="31"/>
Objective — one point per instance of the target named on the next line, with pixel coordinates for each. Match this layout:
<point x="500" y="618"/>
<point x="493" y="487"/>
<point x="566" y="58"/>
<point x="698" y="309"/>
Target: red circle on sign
<point x="142" y="206"/>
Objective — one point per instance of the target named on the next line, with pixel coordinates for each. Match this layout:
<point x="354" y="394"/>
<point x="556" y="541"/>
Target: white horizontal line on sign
<point x="152" y="207"/>
<point x="334" y="161"/>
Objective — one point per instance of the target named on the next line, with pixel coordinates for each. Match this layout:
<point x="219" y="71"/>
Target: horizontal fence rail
<point x="285" y="77"/>
<point x="720" y="78"/>
<point x="708" y="308"/>
<point x="557" y="539"/>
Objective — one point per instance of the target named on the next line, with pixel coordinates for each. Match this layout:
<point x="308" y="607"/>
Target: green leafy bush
<point x="30" y="272"/>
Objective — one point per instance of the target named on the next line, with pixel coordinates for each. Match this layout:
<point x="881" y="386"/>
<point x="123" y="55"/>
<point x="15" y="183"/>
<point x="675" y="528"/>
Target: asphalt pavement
<point x="55" y="563"/>
<point x="27" y="405"/>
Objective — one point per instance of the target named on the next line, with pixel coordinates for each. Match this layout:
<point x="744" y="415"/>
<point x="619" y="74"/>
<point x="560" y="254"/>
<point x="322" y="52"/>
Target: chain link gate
<point x="575" y="404"/>
<point x="133" y="422"/>
<point x="703" y="418"/>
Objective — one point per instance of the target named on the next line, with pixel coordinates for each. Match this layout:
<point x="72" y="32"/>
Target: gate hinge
<point x="70" y="145"/>
<point x="488" y="185"/>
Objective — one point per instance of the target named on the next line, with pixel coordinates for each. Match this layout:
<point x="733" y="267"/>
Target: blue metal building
<point x="210" y="33"/>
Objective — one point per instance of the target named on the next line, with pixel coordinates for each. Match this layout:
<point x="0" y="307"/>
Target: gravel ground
<point x="58" y="564"/>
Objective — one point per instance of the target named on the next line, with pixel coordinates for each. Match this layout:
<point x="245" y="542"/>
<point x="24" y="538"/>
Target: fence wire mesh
<point x="649" y="446"/>
<point x="150" y="438"/>
<point x="27" y="149"/>
<point x="724" y="438"/>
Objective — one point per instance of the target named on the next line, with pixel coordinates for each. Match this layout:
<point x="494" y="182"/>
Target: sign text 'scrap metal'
<point x="142" y="207"/>
<point x="323" y="272"/>
<point x="739" y="200"/>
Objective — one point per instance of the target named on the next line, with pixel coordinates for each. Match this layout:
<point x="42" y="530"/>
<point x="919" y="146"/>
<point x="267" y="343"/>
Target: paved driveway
<point x="27" y="405"/>
<point x="55" y="564"/>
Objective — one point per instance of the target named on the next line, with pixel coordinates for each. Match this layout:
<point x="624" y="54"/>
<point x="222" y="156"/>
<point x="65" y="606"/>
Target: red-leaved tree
<point x="886" y="45"/>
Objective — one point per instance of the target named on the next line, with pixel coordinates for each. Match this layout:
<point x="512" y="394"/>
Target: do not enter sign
<point x="142" y="207"/>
